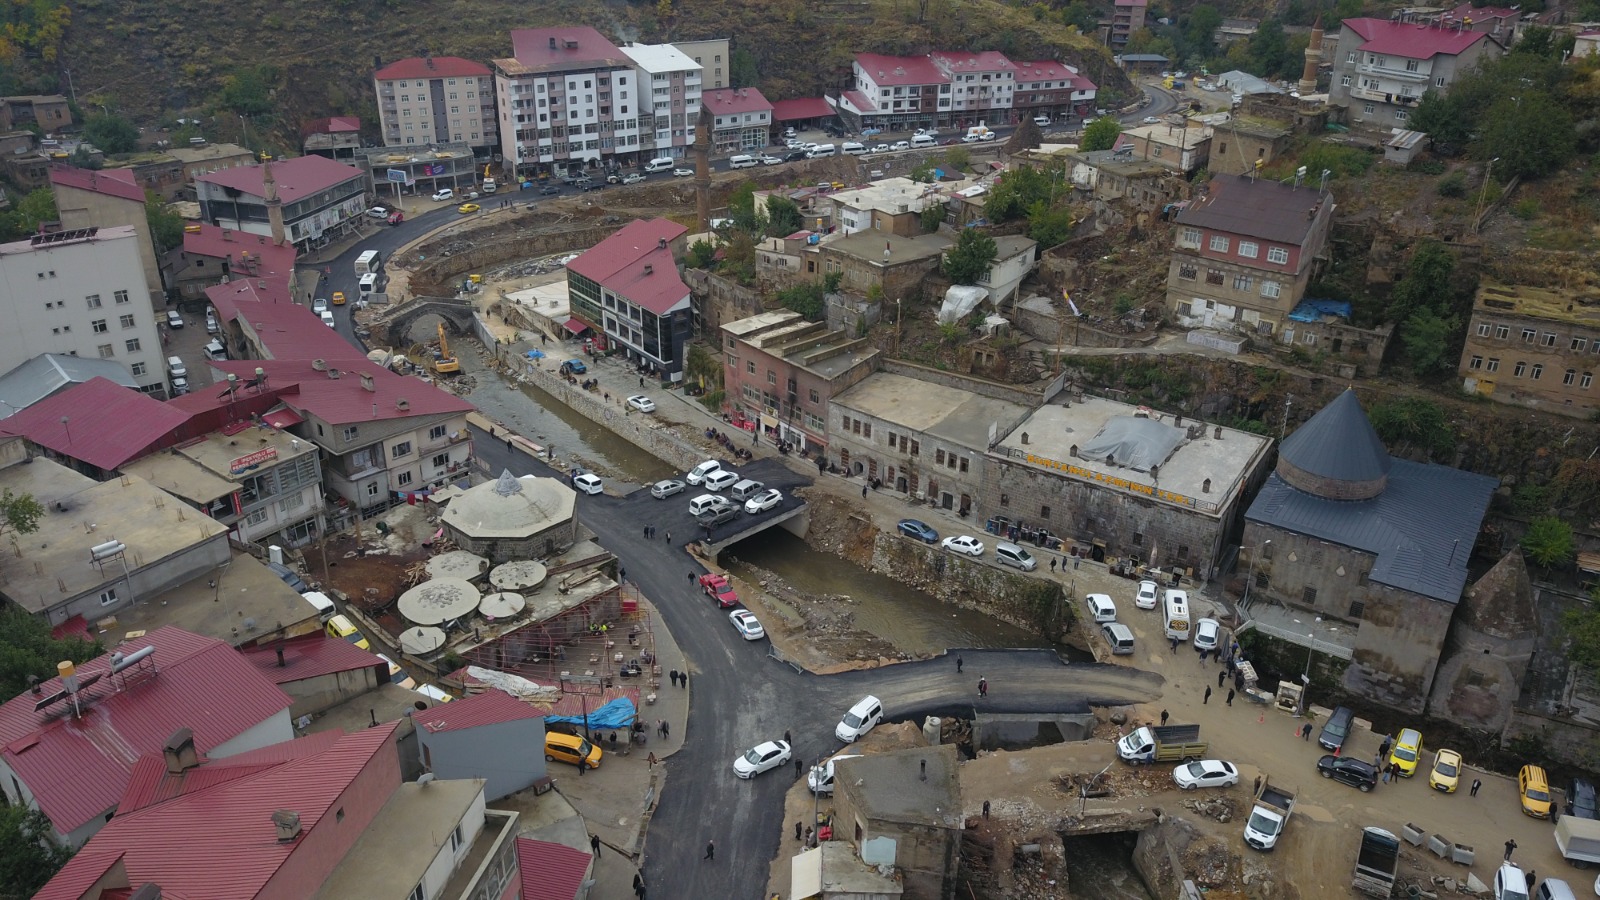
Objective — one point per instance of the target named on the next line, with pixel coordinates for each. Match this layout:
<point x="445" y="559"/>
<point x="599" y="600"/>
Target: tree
<point x="1427" y="338"/>
<point x="248" y="92"/>
<point x="81" y="158"/>
<point x="23" y="218"/>
<point x="112" y="134"/>
<point x="1201" y="23"/>
<point x="1081" y="16"/>
<point x="1017" y="191"/>
<point x="958" y="157"/>
<point x="19" y="513"/>
<point x="1268" y="47"/>
<point x="1101" y="134"/>
<point x="742" y="69"/>
<point x="29" y="653"/>
<point x="1049" y="226"/>
<point x="1412" y="422"/>
<point x="1529" y="135"/>
<point x="808" y="299"/>
<point x="701" y="254"/>
<point x="29" y="855"/>
<point x="932" y="216"/>
<point x="783" y="216"/>
<point x="1582" y="628"/>
<point x="1548" y="542"/>
<point x="970" y="258"/>
<point x="166" y="226"/>
<point x="1426" y="284"/>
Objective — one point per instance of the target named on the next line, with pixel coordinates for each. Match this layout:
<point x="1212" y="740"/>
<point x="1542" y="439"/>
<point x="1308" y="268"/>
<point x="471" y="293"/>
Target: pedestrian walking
<point x="669" y="537"/>
<point x="1052" y="566"/>
<point x="638" y="891"/>
<point x="691" y="578"/>
<point x="863" y="492"/>
<point x="683" y="680"/>
<point x="594" y="844"/>
<point x="1387" y="772"/>
<point x="1532" y="876"/>
<point x="1221" y="677"/>
<point x="1377" y="760"/>
<point x="986" y="809"/>
<point x="1383" y="748"/>
<point x="798" y="825"/>
<point x="1164" y="715"/>
<point x="1207" y="698"/>
<point x="638" y="881"/>
<point x="508" y="444"/>
<point x="674" y="676"/>
<point x="661" y="728"/>
<point x="809" y="833"/>
<point x="1174" y="644"/>
<point x="787" y="739"/>
<point x="1305" y="732"/>
<point x="641" y="381"/>
<point x="1511" y="845"/>
<point x="959" y="664"/>
<point x="582" y="770"/>
<point x="1230" y="696"/>
<point x="1476" y="783"/>
<point x="666" y="728"/>
<point x="651" y="759"/>
<point x="799" y="767"/>
<point x="983" y="687"/>
<point x="711" y="850"/>
<point x="647" y="531"/>
<point x="1075" y="560"/>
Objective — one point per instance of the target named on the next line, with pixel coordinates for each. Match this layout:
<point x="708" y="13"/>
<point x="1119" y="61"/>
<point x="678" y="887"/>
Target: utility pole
<point x="1288" y="401"/>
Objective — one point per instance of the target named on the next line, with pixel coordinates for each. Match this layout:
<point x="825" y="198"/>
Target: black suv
<point x="1353" y="772"/>
<point x="793" y="155"/>
<point x="1581" y="800"/>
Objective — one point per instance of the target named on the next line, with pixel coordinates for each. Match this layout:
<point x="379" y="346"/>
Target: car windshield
<point x="852" y="720"/>
<point x="584" y="749"/>
<point x="753" y="757"/>
<point x="1263" y="825"/>
<point x="1405" y="754"/>
<point x="1445" y="768"/>
<point x="1535" y="794"/>
<point x="1196" y="770"/>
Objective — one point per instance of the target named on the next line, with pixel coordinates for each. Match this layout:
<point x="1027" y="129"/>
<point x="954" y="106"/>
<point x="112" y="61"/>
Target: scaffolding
<point x="609" y="638"/>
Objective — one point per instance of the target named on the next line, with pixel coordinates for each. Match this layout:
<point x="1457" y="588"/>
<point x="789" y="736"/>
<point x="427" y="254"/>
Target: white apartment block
<point x="1382" y="68"/>
<point x="982" y="84"/>
<point x="436" y="100"/>
<point x="568" y="99"/>
<point x="81" y="293"/>
<point x="674" y="82"/>
<point x="714" y="59"/>
<point x="741" y="119"/>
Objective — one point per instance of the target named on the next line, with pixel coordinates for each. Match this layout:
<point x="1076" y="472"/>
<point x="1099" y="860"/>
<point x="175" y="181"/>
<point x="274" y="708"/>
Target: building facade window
<point x="1278" y="256"/>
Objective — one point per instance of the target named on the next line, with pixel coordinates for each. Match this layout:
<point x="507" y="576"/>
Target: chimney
<point x="552" y="42"/>
<point x="661" y="243"/>
<point x="281" y="663"/>
<point x="366" y="383"/>
<point x="179" y="752"/>
<point x="649" y="269"/>
<point x="287" y="821"/>
<point x="402" y="404"/>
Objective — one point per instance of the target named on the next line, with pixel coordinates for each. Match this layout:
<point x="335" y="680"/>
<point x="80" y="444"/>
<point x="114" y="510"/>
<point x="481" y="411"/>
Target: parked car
<point x="820" y="778"/>
<point x="570" y="748"/>
<point x="770" y="160"/>
<point x="444" y="194"/>
<point x="211" y="322"/>
<point x="338" y="298"/>
<point x="761" y="758"/>
<point x="916" y="529"/>
<point x="398" y="675"/>
<point x="642" y="403"/>
<point x="1446" y="771"/>
<point x="718" y="589"/>
<point x="760" y="503"/>
<point x="661" y="490"/>
<point x="289" y="577"/>
<point x="1407" y="751"/>
<point x="964" y="543"/>
<point x="575" y="366"/>
<point x="720" y="479"/>
<point x="1511" y="884"/>
<point x="1207" y="632"/>
<point x="327" y="319"/>
<point x="396" y="217"/>
<point x="1534" y="788"/>
<point x="698" y="473"/>
<point x="745" y="622"/>
<point x="1336" y="729"/>
<point x="879" y="148"/>
<point x="588" y="483"/>
<point x="468" y="208"/>
<point x="1205" y="773"/>
<point x="378" y="212"/>
<point x="1152" y="120"/>
<point x="174" y="320"/>
<point x="794" y="154"/>
<point x="1148" y="596"/>
<point x="216" y="350"/>
<point x="1581" y="800"/>
<point x="683" y="173"/>
<point x="632" y="178"/>
<point x="319" y="305"/>
<point x="1357" y="773"/>
<point x="859" y="720"/>
<point x="1042" y="121"/>
<point x="549" y="189"/>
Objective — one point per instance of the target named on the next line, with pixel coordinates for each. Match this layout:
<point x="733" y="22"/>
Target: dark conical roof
<point x="1336" y="454"/>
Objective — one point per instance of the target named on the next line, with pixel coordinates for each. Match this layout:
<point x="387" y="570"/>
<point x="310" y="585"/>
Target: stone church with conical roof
<point x="1344" y="531"/>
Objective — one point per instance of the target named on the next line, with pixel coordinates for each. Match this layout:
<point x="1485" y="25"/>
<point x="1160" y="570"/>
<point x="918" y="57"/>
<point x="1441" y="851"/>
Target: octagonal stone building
<point x="514" y="518"/>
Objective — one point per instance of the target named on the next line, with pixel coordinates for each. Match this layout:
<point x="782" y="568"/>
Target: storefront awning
<point x="576" y="326"/>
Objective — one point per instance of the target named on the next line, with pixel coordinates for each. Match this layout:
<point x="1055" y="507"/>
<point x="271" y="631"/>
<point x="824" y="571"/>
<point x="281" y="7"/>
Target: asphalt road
<point x="742" y="696"/>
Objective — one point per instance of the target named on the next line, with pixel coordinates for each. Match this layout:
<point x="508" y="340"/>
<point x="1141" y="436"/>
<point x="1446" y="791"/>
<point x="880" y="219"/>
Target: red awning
<point x="282" y="418"/>
<point x="577" y="326"/>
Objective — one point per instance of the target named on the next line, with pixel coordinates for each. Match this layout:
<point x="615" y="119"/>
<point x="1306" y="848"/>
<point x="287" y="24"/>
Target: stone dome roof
<point x="1336" y="455"/>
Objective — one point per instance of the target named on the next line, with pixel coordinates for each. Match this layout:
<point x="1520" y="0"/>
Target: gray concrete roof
<point x="247" y="601"/>
<point x="483" y="511"/>
<point x="49" y="373"/>
<point x="958" y="416"/>
<point x="892" y="788"/>
<point x="394" y="851"/>
<point x="869" y="246"/>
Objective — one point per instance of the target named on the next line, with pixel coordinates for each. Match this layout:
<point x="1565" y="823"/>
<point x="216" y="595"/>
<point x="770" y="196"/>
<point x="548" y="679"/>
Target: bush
<point x="1526" y="209"/>
<point x="1453" y="185"/>
<point x="1426" y="166"/>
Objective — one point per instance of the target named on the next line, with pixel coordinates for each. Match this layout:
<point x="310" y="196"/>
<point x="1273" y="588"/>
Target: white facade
<point x="557" y="117"/>
<point x="436" y="105"/>
<point x="74" y="292"/>
<point x="980" y="83"/>
<point x="674" y="82"/>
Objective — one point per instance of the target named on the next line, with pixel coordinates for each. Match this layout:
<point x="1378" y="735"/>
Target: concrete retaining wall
<point x="995" y="592"/>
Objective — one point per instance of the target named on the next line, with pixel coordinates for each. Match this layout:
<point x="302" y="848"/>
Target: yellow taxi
<point x="338" y="298"/>
<point x="1446" y="771"/>
<point x="1534" y="786"/>
<point x="1407" y="751"/>
<point x="570" y="748"/>
<point x="341" y="627"/>
<point x="468" y="208"/>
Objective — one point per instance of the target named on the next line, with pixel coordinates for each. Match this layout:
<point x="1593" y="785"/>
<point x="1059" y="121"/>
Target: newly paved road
<point x="740" y="696"/>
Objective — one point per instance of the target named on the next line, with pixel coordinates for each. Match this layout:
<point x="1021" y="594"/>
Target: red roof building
<point x="592" y="81"/>
<point x="409" y="88"/>
<point x="1052" y="89"/>
<point x="741" y="119"/>
<point x="318" y="196"/>
<point x="627" y="287"/>
<point x="111" y="182"/>
<point x="317" y="671"/>
<point x="565" y="49"/>
<point x="1382" y="67"/>
<point x="485" y="736"/>
<point x="905" y="92"/>
<point x="551" y="871"/>
<point x="801" y="109"/>
<point x="334" y="125"/>
<point x="99" y="422"/>
<point x="297" y="178"/>
<point x="425" y="67"/>
<point x="212" y="254"/>
<point x="73" y="758"/>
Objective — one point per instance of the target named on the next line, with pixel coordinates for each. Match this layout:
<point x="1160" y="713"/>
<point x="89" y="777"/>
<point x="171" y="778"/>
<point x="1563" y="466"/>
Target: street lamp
<point x="1305" y="677"/>
<point x="1245" y="602"/>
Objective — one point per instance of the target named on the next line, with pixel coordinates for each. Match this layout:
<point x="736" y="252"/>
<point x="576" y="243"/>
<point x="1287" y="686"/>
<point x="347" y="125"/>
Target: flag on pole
<point x="1067" y="296"/>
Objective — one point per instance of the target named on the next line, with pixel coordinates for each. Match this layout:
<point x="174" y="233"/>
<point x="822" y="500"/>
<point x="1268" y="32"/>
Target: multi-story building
<point x="316" y="199"/>
<point x="1382" y="67"/>
<point x="1183" y="148"/>
<point x="1127" y="17"/>
<point x="627" y="287"/>
<point x="83" y="293"/>
<point x="982" y="85"/>
<point x="50" y="112"/>
<point x="1052" y="89"/>
<point x="783" y="372"/>
<point x="86" y="198"/>
<point x="336" y="137"/>
<point x="568" y="99"/>
<point x="1245" y="253"/>
<point x="714" y="59"/>
<point x="666" y="125"/>
<point x="896" y="265"/>
<point x="1537" y="347"/>
<point x="437" y="100"/>
<point x="741" y="119"/>
<point x="895" y="93"/>
<point x="212" y="255"/>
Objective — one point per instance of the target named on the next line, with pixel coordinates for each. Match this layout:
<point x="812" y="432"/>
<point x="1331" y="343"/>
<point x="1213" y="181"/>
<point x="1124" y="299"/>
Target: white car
<point x="444" y="194"/>
<point x="720" y="479"/>
<point x="1151" y="120"/>
<point x="211" y="322"/>
<point x="1205" y="773"/>
<point x="683" y="173"/>
<point x="398" y="675"/>
<point x="216" y="350"/>
<point x="1207" y="632"/>
<point x="879" y="148"/>
<point x="900" y="145"/>
<point x="327" y="319"/>
<point x="745" y="622"/>
<point x="820" y="779"/>
<point x="770" y="160"/>
<point x="763" y="501"/>
<point x="760" y="758"/>
<point x="378" y="212"/>
<point x="588" y="483"/>
<point x="319" y="305"/>
<point x="963" y="543"/>
<point x="1148" y="596"/>
<point x="632" y="178"/>
<point x="661" y="490"/>
<point x="699" y="473"/>
<point x="642" y="403"/>
<point x="927" y="132"/>
<point x="1041" y="121"/>
<point x="174" y="320"/>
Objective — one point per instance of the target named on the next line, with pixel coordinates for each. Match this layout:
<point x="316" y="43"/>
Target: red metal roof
<point x="296" y="178"/>
<point x="219" y="841"/>
<point x="618" y="264"/>
<point x="800" y="108"/>
<point x="310" y="656"/>
<point x="106" y="423"/>
<point x="859" y="101"/>
<point x="1410" y="40"/>
<point x="1031" y="72"/>
<point x="111" y="182"/>
<point x="488" y="708"/>
<point x="551" y="871"/>
<point x="248" y="255"/>
<point x="733" y="101"/>
<point x="284" y="328"/>
<point x="589" y="49"/>
<point x="431" y="67"/>
<point x="980" y="61"/>
<point x="888" y="71"/>
<point x="77" y="767"/>
<point x="343" y="400"/>
<point x="150" y="782"/>
<point x="1467" y="11"/>
<point x="282" y="418"/>
<point x="336" y="124"/>
<point x="77" y="627"/>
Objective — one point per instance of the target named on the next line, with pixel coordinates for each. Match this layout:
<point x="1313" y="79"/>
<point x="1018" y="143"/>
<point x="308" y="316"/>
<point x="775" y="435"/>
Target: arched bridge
<point x="457" y="315"/>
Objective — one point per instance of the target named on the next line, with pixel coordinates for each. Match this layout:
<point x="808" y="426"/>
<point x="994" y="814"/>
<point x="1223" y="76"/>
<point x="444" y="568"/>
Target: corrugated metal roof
<point x="49" y="373"/>
<point x="733" y="101"/>
<point x="77" y="767"/>
<point x="1410" y="40"/>
<point x="310" y="656"/>
<point x="551" y="871"/>
<point x="800" y="108"/>
<point x="1338" y="442"/>
<point x="618" y="262"/>
<point x="431" y="67"/>
<point x="1258" y="208"/>
<point x="111" y="182"/>
<point x="150" y="782"/>
<point x="488" y="708"/>
<point x="219" y="842"/>
<point x="888" y="71"/>
<point x="343" y="400"/>
<point x="106" y="424"/>
<point x="297" y="178"/>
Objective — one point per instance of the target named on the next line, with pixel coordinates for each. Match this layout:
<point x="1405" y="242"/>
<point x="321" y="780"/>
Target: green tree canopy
<point x="112" y="134"/>
<point x="1528" y="136"/>
<point x="29" y="855"/>
<point x="1049" y="225"/>
<point x="807" y="298"/>
<point x="1582" y="629"/>
<point x="23" y="218"/>
<point x="166" y="226"/>
<point x="742" y="69"/>
<point x="1412" y="422"/>
<point x="28" y="652"/>
<point x="932" y="215"/>
<point x="701" y="254"/>
<point x="1548" y="542"/>
<point x="248" y="92"/>
<point x="970" y="258"/>
<point x="783" y="216"/>
<point x="1428" y="337"/>
<point x="1101" y="134"/>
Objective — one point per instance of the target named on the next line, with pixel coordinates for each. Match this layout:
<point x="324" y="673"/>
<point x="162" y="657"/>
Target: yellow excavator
<point x="444" y="363"/>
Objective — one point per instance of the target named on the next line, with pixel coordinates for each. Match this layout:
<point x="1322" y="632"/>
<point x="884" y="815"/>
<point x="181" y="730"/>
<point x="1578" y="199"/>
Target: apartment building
<point x="1383" y="67"/>
<point x="313" y="198"/>
<point x="1245" y="253"/>
<point x="895" y="93"/>
<point x="86" y="198"/>
<point x="628" y="288"/>
<point x="437" y="100"/>
<point x="666" y="125"/>
<point x="82" y="293"/>
<point x="568" y="99"/>
<point x="741" y="119"/>
<point x="783" y="372"/>
<point x="1127" y="17"/>
<point x="714" y="59"/>
<point x="1052" y="89"/>
<point x="1535" y="347"/>
<point x="982" y="86"/>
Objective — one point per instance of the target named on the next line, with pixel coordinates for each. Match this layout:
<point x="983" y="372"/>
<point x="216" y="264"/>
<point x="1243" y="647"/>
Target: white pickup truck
<point x="1274" y="803"/>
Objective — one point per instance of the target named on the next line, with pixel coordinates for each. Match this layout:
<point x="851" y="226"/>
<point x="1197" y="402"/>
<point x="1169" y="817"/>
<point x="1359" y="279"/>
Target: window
<point x="108" y="596"/>
<point x="1138" y="539"/>
<point x="94" y="301"/>
<point x="1044" y="512"/>
<point x="372" y="489"/>
<point x="1588" y="379"/>
<point x="1309" y="596"/>
<point x="1569" y="377"/>
<point x="964" y="468"/>
<point x="1578" y="344"/>
<point x="99" y="326"/>
<point x="1188" y="271"/>
<point x="1249" y="249"/>
<point x="107" y="351"/>
<point x="1520" y="369"/>
<point x="1191" y="236"/>
<point x="1219" y="244"/>
<point x="1243" y="282"/>
<point x="125" y="321"/>
<point x="1547" y="340"/>
<point x="772" y="377"/>
<point x="1344" y="80"/>
<point x="1476" y="363"/>
<point x="455" y="839"/>
<point x="916" y="448"/>
<point x="121" y="296"/>
<point x="1367" y="108"/>
<point x="1271" y="289"/>
<point x="1538" y="369"/>
<point x="1494" y="364"/>
<point x="938" y="457"/>
<point x="1483" y="329"/>
<point x="133" y="345"/>
<point x="1214" y="276"/>
<point x="815" y="397"/>
<point x="255" y="518"/>
<point x="1278" y="256"/>
<point x="1357" y="607"/>
<point x="403" y="479"/>
<point x="437" y="432"/>
<point x="138" y="369"/>
<point x="350" y="432"/>
<point x="866" y="429"/>
<point x="1439" y="82"/>
<point x="1528" y="335"/>
<point x="1402" y="114"/>
<point x="442" y="460"/>
<point x="750" y="367"/>
<point x="419" y="892"/>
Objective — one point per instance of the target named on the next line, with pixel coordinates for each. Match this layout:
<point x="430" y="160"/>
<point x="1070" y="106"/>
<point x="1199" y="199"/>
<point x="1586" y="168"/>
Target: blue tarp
<point x="536" y="354"/>
<point x="616" y="714"/>
<point x="1316" y="310"/>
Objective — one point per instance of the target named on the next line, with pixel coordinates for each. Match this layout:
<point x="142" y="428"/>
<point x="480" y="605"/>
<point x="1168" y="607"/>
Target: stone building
<point x="1532" y="346"/>
<point x="1487" y="650"/>
<point x="1346" y="532"/>
<point x="904" y="805"/>
<point x="513" y="518"/>
<point x="895" y="264"/>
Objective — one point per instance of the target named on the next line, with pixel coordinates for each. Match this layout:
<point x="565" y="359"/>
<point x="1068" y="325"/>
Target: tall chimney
<point x="274" y="205"/>
<point x="702" y="170"/>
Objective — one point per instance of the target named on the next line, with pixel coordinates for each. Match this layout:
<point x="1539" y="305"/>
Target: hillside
<point x="160" y="60"/>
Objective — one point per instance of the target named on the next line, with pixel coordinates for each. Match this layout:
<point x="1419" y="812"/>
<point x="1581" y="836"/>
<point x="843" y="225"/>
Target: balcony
<point x="1381" y="97"/>
<point x="1398" y="74"/>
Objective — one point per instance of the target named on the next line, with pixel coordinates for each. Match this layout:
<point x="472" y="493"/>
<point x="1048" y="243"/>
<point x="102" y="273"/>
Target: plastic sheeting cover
<point x="1316" y="310"/>
<point x="616" y="714"/>
<point x="1133" y="442"/>
<point x="959" y="300"/>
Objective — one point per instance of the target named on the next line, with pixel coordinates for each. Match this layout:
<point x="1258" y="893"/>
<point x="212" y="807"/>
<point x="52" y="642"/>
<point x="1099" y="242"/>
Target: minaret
<point x="1308" y="78"/>
<point x="274" y="205"/>
<point x="702" y="170"/>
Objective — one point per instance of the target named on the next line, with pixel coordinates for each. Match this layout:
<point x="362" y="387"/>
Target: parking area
<point x="672" y="513"/>
<point x="189" y="344"/>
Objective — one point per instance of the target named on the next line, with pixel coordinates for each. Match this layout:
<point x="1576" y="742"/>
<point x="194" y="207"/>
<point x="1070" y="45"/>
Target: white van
<point x="659" y="164"/>
<point x="745" y="489"/>
<point x="707" y="503"/>
<point x="853" y="148"/>
<point x="1101" y="608"/>
<point x="1177" y="615"/>
<point x="924" y="140"/>
<point x="1119" y="637"/>
<point x="820" y="780"/>
<point x="320" y="602"/>
<point x="822" y="150"/>
<point x="1008" y="554"/>
<point x="369" y="283"/>
<point x="742" y="162"/>
<point x="861" y="718"/>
